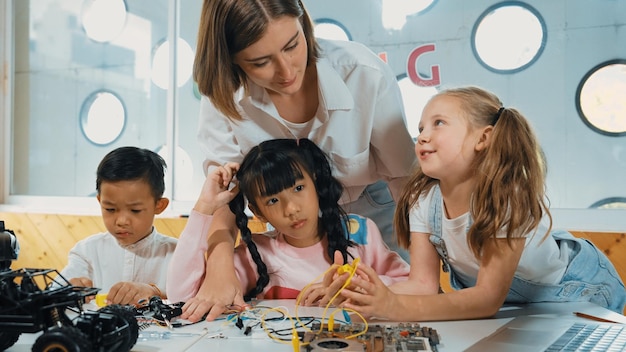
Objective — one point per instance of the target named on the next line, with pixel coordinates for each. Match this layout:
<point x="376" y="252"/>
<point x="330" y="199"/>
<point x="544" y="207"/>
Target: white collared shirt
<point x="360" y="121"/>
<point x="100" y="258"/>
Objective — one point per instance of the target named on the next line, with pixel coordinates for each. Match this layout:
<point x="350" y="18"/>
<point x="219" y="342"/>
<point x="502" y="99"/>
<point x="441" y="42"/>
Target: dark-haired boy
<point x="129" y="261"/>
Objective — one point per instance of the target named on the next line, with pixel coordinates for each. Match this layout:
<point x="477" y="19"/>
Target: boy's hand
<point x="81" y="282"/>
<point x="130" y="293"/>
<point x="215" y="191"/>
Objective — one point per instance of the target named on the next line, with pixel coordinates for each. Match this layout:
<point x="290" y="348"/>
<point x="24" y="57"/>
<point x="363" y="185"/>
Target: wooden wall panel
<point x="170" y="226"/>
<point x="32" y="253"/>
<point x="80" y="226"/>
<point x="612" y="244"/>
<point x="54" y="238"/>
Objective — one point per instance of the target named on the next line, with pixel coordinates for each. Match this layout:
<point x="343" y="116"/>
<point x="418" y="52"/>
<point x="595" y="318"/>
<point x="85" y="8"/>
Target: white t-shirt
<point x="359" y="123"/>
<point x="541" y="261"/>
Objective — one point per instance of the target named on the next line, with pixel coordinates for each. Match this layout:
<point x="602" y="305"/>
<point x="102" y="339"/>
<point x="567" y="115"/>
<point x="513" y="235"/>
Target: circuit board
<point x="406" y="337"/>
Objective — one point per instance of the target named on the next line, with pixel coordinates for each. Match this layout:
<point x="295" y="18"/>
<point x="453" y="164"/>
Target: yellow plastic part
<point x="295" y="340"/>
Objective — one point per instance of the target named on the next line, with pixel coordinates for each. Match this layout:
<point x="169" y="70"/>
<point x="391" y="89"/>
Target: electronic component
<point x="158" y="311"/>
<point x="335" y="344"/>
<point x="390" y="337"/>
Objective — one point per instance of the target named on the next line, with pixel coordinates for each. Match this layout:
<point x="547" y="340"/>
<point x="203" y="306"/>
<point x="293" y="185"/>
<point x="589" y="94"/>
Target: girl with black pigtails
<point x="278" y="165"/>
<point x="287" y="183"/>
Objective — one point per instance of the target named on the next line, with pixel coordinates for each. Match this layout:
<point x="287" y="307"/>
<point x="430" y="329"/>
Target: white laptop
<point x="544" y="333"/>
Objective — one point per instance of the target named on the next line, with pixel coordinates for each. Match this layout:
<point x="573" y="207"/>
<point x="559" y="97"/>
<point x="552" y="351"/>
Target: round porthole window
<point x="103" y="20"/>
<point x="414" y="98"/>
<point x="610" y="203"/>
<point x="600" y="98"/>
<point x="395" y="12"/>
<point x="102" y="117"/>
<point x="161" y="63"/>
<point x="498" y="42"/>
<point x="330" y="29"/>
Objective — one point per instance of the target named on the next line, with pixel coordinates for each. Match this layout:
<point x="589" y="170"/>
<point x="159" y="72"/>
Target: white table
<point x="454" y="335"/>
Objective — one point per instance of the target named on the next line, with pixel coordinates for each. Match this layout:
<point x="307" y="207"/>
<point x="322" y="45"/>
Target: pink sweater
<point x="290" y="268"/>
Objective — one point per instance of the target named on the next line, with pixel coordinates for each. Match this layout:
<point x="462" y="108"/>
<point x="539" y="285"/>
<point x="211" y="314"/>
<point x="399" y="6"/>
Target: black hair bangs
<point x="270" y="175"/>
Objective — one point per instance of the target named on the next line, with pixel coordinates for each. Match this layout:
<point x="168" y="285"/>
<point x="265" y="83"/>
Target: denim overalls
<point x="589" y="276"/>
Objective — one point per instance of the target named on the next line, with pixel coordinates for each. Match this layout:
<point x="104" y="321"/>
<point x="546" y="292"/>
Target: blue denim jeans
<point x="377" y="204"/>
<point x="590" y="276"/>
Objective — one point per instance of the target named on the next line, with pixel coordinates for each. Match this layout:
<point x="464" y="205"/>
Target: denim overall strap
<point x="436" y="221"/>
<point x="436" y="212"/>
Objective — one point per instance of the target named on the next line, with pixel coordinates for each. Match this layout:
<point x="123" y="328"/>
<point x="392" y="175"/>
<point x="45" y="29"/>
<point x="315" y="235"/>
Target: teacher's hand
<point x="217" y="294"/>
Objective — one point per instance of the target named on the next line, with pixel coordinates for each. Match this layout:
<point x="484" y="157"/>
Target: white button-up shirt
<point x="100" y="258"/>
<point x="360" y="121"/>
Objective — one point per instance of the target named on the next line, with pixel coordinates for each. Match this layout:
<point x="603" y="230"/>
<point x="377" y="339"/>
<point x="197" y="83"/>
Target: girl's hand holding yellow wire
<point x="320" y="294"/>
<point x="368" y="295"/>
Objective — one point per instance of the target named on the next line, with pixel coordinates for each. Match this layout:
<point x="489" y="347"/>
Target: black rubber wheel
<point x="8" y="339"/>
<point x="124" y="316"/>
<point x="62" y="339"/>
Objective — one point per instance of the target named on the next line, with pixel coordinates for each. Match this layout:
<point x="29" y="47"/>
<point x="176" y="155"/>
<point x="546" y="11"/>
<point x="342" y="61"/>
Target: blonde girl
<point x="477" y="206"/>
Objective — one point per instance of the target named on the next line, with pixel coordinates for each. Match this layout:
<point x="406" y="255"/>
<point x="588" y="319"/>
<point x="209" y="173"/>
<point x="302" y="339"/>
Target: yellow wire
<point x="352" y="271"/>
<point x="286" y="314"/>
<point x="293" y="326"/>
<point x="355" y="262"/>
<point x="354" y="265"/>
<point x="300" y="296"/>
<point x="365" y="324"/>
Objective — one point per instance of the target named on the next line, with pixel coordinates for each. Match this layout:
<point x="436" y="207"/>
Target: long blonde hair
<point x="510" y="174"/>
